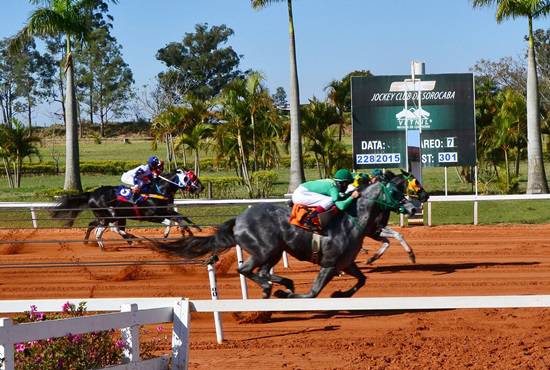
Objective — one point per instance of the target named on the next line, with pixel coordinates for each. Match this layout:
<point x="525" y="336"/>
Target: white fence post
<point x="180" y="335"/>
<point x="429" y="213"/>
<point x="244" y="287"/>
<point x="6" y="349"/>
<point x="285" y="260"/>
<point x="475" y="212"/>
<point x="34" y="218"/>
<point x="130" y="335"/>
<point x="214" y="294"/>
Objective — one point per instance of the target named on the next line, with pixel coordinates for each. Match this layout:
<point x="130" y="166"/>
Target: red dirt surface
<point x="451" y="261"/>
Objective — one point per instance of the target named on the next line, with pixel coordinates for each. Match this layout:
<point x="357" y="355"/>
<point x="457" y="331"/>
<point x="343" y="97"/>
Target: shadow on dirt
<point x="444" y="268"/>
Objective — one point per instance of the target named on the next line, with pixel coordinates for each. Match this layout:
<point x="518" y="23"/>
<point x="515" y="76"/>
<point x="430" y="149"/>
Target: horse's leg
<point x="354" y="271"/>
<point x="261" y="279"/>
<point x="389" y="233"/>
<point x="100" y="229"/>
<point x="121" y="230"/>
<point x="92" y="225"/>
<point x="323" y="278"/>
<point x="381" y="251"/>
<point x="287" y="283"/>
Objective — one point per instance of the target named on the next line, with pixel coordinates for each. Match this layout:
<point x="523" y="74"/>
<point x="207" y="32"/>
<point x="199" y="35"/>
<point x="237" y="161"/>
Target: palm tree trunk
<point x="244" y="165"/>
<point x="72" y="160"/>
<point x="254" y="141"/>
<point x="296" y="163"/>
<point x="197" y="163"/>
<point x="536" y="175"/>
<point x="8" y="174"/>
<point x="507" y="170"/>
<point x="29" y="113"/>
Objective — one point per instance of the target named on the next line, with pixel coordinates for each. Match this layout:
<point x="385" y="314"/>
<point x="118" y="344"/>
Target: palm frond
<point x="260" y="4"/>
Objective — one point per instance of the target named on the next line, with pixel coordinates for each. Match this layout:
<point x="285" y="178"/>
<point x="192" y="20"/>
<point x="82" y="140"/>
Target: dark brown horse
<point x="112" y="207"/>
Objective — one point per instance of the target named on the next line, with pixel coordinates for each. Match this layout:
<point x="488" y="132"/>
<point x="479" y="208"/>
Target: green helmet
<point x="343" y="175"/>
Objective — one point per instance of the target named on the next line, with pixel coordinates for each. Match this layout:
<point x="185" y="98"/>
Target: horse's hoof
<point x="266" y="292"/>
<point x="371" y="260"/>
<point x="338" y="294"/>
<point x="412" y="258"/>
<point x="281" y="293"/>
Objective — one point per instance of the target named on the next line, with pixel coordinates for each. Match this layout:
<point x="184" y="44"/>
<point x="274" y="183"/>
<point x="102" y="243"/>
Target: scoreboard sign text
<point x="379" y="121"/>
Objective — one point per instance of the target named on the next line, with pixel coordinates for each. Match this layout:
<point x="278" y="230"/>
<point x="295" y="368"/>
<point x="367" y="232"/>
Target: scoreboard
<point x="446" y="118"/>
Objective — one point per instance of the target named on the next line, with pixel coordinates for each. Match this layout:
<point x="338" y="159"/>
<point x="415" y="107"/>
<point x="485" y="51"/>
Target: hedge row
<point x="222" y="187"/>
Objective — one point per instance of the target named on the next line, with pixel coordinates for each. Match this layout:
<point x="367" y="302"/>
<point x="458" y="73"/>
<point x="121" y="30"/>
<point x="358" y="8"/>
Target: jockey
<point x="140" y="177"/>
<point x="325" y="193"/>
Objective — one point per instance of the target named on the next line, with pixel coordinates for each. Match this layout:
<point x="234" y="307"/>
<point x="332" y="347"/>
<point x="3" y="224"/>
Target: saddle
<point x="124" y="194"/>
<point x="310" y="219"/>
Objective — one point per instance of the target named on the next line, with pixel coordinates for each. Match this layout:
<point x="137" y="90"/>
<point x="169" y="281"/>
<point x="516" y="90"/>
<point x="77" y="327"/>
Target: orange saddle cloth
<point x="301" y="216"/>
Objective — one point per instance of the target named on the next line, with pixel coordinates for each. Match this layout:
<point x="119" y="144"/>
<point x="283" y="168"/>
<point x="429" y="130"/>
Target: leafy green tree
<point x="104" y="78"/>
<point x="296" y="160"/>
<point x="339" y="94"/>
<point x="68" y="18"/>
<point x="164" y="128"/>
<point x="317" y="117"/>
<point x="107" y="78"/>
<point x="200" y="64"/>
<point x="16" y="144"/>
<point x="8" y="83"/>
<point x="530" y="9"/>
<point x="280" y="98"/>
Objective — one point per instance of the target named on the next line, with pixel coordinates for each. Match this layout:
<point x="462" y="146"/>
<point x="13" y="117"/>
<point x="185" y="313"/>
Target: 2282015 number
<point x="378" y="158"/>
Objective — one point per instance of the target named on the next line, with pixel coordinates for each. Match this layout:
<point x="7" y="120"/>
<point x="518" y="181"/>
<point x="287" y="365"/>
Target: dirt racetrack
<point x="451" y="261"/>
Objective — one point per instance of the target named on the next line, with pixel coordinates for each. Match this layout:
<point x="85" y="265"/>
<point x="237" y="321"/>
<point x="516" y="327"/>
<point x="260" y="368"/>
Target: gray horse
<point x="265" y="233"/>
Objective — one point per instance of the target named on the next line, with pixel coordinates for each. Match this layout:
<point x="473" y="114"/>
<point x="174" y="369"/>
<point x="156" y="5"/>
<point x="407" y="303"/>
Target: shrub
<point x="82" y="351"/>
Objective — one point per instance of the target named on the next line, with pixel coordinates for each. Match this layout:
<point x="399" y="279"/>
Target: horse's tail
<point x="69" y="207"/>
<point x="197" y="246"/>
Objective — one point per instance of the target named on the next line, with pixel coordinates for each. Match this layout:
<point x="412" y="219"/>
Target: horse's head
<point x="390" y="194"/>
<point x="188" y="181"/>
<point x="414" y="188"/>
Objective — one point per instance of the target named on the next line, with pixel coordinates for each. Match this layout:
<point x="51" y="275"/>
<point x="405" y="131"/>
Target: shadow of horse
<point x="445" y="268"/>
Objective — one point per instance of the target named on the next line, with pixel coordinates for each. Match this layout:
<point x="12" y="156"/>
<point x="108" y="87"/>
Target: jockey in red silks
<point x="140" y="177"/>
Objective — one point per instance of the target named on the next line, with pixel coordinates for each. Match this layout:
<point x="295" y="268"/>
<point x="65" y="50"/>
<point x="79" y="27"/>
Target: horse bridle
<point x="186" y="186"/>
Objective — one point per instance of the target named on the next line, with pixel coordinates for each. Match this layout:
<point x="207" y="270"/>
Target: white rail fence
<point x="480" y="198"/>
<point x="177" y="311"/>
<point x="34" y="206"/>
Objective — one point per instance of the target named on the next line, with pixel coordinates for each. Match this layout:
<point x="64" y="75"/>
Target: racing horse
<point x="112" y="206"/>
<point x="383" y="232"/>
<point x="265" y="233"/>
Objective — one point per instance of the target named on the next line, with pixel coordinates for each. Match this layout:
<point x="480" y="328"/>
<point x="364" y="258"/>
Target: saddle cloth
<point x="124" y="194"/>
<point x="309" y="218"/>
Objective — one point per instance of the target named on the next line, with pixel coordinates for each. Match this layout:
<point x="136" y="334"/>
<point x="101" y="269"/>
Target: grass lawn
<point x="33" y="188"/>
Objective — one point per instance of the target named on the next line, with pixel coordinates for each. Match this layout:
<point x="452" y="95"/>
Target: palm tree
<point x="16" y="144"/>
<point x="195" y="138"/>
<point x="532" y="9"/>
<point x="164" y="128"/>
<point x="296" y="161"/>
<point x="258" y="98"/>
<point x="69" y="18"/>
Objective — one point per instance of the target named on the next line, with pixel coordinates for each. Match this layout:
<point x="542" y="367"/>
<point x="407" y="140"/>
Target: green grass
<point x="490" y="212"/>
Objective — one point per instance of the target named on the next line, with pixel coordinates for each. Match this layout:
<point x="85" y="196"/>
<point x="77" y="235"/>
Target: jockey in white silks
<point x="140" y="177"/>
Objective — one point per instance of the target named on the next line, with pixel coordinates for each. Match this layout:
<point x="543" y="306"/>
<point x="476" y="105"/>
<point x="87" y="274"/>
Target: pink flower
<point x="67" y="306"/>
<point x="159" y="329"/>
<point x="33" y="308"/>
<point x="20" y="347"/>
<point x="33" y="343"/>
<point x="120" y="344"/>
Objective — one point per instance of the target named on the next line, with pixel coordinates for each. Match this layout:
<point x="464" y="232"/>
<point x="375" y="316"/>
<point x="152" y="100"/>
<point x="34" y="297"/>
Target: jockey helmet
<point x="343" y="175"/>
<point x="377" y="172"/>
<point x="153" y="162"/>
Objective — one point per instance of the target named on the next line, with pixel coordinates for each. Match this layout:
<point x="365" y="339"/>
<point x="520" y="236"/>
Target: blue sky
<point x="333" y="37"/>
